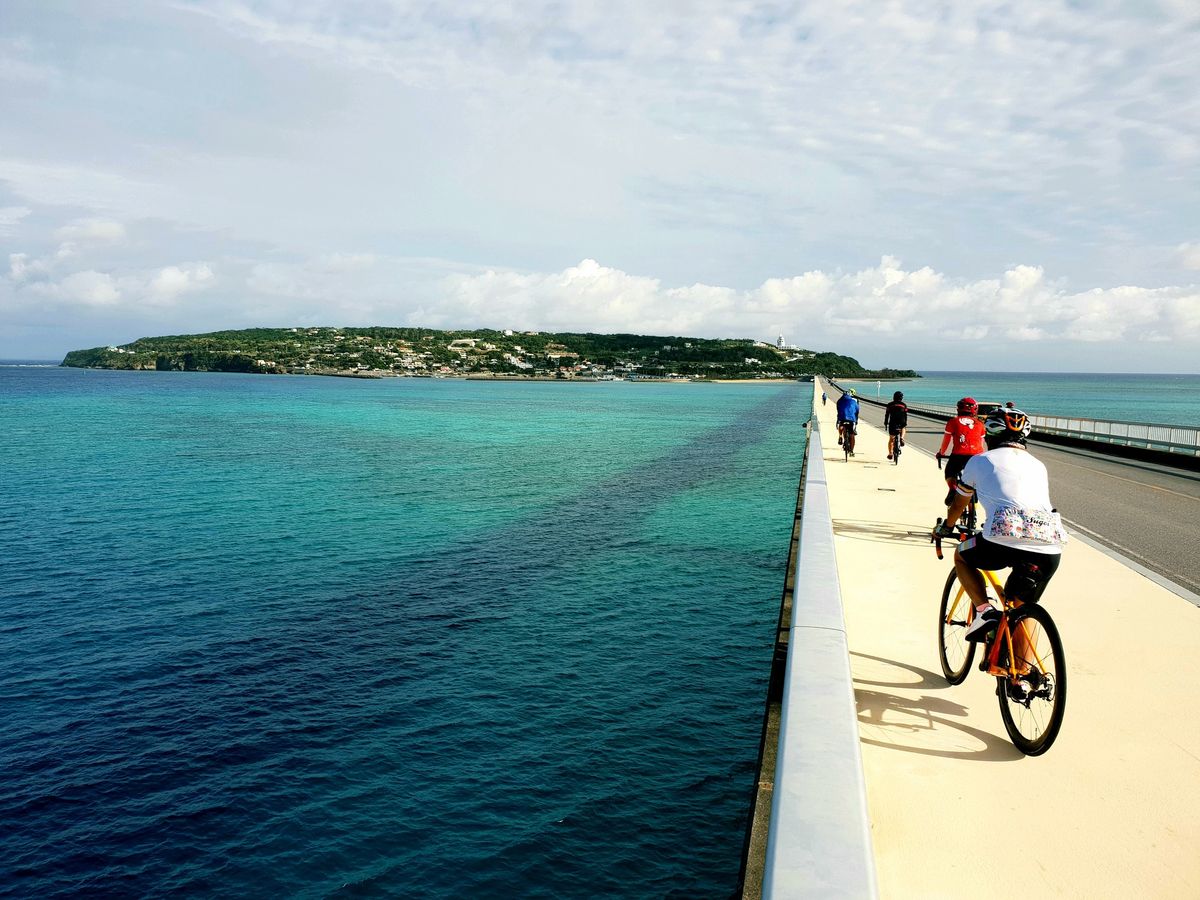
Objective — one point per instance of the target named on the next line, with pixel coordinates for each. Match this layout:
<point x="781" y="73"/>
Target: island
<point x="482" y="353"/>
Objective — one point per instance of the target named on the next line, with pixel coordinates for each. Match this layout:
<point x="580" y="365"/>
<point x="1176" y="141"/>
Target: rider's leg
<point x="1026" y="583"/>
<point x="972" y="582"/>
<point x="954" y="466"/>
<point x="971" y="579"/>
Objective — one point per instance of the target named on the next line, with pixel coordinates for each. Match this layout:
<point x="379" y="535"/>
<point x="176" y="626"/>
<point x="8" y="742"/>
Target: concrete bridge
<point x="952" y="808"/>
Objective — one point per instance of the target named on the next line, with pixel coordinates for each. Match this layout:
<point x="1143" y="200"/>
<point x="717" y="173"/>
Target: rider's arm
<point x="887" y="414"/>
<point x="947" y="439"/>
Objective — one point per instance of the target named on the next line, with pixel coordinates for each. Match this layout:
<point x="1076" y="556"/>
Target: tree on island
<point x="417" y="351"/>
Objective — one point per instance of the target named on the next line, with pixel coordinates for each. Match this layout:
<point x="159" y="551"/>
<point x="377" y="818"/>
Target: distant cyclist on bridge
<point x="964" y="439"/>
<point x="847" y="419"/>
<point x="895" y="422"/>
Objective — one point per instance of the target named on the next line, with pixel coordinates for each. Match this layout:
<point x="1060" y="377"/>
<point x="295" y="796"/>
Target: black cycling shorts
<point x="1031" y="572"/>
<point x="843" y="423"/>
<point x="896" y="429"/>
<point x="955" y="464"/>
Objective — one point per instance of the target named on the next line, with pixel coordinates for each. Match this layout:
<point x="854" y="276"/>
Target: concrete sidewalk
<point x="1111" y="810"/>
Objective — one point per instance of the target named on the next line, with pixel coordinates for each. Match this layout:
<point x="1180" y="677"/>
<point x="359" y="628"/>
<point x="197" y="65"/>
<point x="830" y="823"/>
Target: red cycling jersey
<point x="963" y="437"/>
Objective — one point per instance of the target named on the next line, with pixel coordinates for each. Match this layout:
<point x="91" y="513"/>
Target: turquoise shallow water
<point x="312" y="636"/>
<point x="1165" y="399"/>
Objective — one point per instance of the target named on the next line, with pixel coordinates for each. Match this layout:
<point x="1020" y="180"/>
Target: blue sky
<point x="910" y="183"/>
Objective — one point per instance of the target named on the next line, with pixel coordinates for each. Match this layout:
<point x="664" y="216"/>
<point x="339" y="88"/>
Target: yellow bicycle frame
<point x="993" y="650"/>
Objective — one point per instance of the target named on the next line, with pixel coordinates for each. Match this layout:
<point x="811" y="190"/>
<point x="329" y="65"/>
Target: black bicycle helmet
<point x="898" y="396"/>
<point x="1006" y="426"/>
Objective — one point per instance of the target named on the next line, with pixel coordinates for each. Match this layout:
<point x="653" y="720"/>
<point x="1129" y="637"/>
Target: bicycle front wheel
<point x="955" y="652"/>
<point x="1033" y="698"/>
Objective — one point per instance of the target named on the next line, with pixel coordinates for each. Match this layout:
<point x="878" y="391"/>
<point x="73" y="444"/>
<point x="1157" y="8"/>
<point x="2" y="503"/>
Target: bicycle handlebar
<point x="959" y="531"/>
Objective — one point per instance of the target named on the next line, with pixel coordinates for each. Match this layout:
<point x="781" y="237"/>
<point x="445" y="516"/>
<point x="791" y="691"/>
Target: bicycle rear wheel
<point x="955" y="652"/>
<point x="1032" y="705"/>
<point x="896" y="453"/>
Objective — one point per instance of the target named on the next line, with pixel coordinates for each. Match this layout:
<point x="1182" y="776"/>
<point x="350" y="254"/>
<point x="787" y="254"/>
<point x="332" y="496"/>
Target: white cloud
<point x="99" y="230"/>
<point x="89" y="288"/>
<point x="92" y="187"/>
<point x="695" y="149"/>
<point x="10" y="218"/>
<point x="171" y="281"/>
<point x="1189" y="255"/>
<point x="346" y="262"/>
<point x="37" y="280"/>
<point x="604" y="298"/>
<point x="16" y="67"/>
<point x="20" y="267"/>
<point x="846" y="79"/>
<point x="827" y="309"/>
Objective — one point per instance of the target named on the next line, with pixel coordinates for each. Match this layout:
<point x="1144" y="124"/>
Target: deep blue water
<point x="1165" y="399"/>
<point x="285" y="636"/>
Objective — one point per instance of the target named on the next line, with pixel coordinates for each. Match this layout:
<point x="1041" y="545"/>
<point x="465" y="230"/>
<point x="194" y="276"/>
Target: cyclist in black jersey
<point x="895" y="422"/>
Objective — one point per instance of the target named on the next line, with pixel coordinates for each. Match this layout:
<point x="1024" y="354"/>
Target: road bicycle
<point x="1024" y="654"/>
<point x="848" y="439"/>
<point x="967" y="522"/>
<point x="897" y="443"/>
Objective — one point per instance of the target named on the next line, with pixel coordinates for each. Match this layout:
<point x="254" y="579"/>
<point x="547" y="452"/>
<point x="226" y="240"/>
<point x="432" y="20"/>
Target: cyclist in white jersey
<point x="1022" y="529"/>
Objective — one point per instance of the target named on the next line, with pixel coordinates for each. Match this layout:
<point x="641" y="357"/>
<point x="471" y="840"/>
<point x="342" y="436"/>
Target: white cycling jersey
<point x="1015" y="492"/>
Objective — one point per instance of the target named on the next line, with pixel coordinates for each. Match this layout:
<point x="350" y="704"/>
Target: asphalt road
<point x="1146" y="512"/>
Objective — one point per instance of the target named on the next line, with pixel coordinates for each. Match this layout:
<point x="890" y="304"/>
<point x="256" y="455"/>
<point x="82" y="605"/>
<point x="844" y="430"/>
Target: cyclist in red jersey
<point x="964" y="439"/>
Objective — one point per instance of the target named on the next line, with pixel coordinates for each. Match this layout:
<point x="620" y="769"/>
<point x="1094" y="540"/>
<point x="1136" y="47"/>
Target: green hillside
<point x="425" y="351"/>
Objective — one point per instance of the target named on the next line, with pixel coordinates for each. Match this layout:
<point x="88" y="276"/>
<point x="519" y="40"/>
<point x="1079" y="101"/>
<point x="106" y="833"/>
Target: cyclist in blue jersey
<point x="847" y="417"/>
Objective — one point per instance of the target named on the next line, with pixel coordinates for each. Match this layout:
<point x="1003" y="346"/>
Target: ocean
<point x="1160" y="399"/>
<point x="311" y="637"/>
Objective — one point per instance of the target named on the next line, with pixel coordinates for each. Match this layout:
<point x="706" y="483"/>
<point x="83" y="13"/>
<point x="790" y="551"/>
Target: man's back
<point x="1005" y="479"/>
<point x="847" y="409"/>
<point x="963" y="436"/>
<point x="895" y="416"/>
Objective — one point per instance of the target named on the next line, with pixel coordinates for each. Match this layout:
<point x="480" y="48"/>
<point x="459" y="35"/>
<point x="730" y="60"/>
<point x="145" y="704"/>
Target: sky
<point x="971" y="184"/>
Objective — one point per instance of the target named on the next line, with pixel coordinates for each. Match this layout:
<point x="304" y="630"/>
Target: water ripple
<point x="292" y="637"/>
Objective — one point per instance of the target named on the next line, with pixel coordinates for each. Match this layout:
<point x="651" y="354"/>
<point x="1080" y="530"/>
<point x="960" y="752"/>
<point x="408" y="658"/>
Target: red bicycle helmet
<point x="967" y="406"/>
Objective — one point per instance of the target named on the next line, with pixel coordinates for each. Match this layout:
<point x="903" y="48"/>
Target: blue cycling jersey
<point x="847" y="409"/>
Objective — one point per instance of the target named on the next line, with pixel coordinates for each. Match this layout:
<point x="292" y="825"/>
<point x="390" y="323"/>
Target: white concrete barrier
<point x="819" y="841"/>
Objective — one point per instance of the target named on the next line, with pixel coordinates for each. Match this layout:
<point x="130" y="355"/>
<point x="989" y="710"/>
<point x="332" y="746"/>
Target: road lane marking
<point x="1152" y="487"/>
<point x="1130" y="558"/>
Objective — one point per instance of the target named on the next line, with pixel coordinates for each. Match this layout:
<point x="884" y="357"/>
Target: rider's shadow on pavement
<point x="926" y="724"/>
<point x="882" y="532"/>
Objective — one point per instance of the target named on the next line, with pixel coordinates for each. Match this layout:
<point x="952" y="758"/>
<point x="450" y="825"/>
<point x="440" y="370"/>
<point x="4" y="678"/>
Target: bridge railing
<point x="1169" y="438"/>
<point x="1181" y="439"/>
<point x="819" y="838"/>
